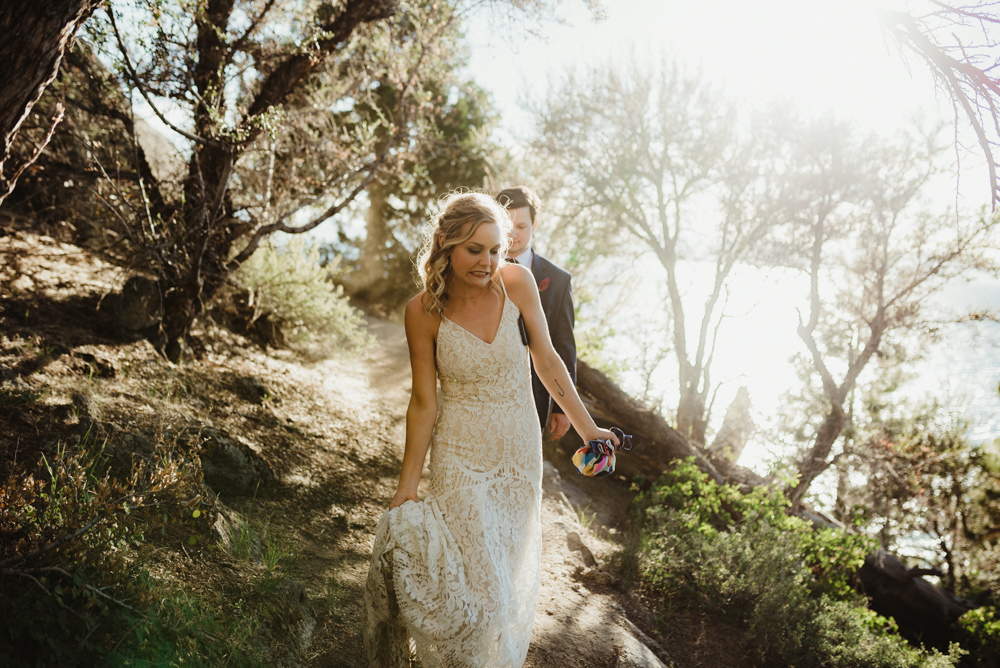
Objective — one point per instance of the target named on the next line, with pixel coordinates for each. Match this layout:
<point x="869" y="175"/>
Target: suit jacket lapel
<point x="540" y="270"/>
<point x="536" y="267"/>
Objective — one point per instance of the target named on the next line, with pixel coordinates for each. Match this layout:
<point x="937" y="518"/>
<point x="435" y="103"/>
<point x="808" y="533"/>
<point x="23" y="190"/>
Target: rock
<point x="575" y="543"/>
<point x="922" y="610"/>
<point x="86" y="408"/>
<point x="139" y="306"/>
<point x="252" y="390"/>
<point x="95" y="366"/>
<point x="294" y="620"/>
<point x="135" y="444"/>
<point x="552" y="486"/>
<point x="594" y="577"/>
<point x="237" y="538"/>
<point x="633" y="651"/>
<point x="230" y="467"/>
<point x="551" y="480"/>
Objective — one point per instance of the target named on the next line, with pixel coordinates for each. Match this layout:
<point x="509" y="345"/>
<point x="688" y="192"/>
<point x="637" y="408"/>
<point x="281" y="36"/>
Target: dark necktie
<point x="512" y="261"/>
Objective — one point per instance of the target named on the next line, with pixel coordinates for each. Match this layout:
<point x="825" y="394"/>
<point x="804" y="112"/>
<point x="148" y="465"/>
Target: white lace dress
<point x="458" y="572"/>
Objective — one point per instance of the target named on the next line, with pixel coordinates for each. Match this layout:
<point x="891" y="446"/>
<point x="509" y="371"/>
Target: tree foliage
<point x="282" y="117"/>
<point x="910" y="477"/>
<point x="655" y="158"/>
<point x="452" y="149"/>
<point x="243" y="75"/>
<point x="853" y="219"/>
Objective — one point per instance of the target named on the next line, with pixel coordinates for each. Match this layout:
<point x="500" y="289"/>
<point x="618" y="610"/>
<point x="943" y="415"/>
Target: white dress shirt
<point x="524" y="258"/>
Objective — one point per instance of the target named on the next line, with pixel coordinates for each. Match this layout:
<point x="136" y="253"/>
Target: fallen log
<point x="924" y="612"/>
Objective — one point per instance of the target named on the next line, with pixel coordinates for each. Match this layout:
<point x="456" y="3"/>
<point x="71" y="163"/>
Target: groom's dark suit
<point x="557" y="304"/>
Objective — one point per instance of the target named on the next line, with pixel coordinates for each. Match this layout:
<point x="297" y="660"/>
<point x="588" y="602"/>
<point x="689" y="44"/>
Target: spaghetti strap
<point x="500" y="276"/>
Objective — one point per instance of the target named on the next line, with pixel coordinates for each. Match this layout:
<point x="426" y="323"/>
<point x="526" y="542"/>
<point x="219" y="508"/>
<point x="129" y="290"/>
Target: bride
<point x="454" y="578"/>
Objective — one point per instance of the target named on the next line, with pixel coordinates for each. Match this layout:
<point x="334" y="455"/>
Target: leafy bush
<point x="832" y="556"/>
<point x="982" y="629"/>
<point x="742" y="559"/>
<point x="287" y="283"/>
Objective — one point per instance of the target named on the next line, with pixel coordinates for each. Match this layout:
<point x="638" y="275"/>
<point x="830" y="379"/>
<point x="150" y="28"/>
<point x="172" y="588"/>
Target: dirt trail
<point x="578" y="622"/>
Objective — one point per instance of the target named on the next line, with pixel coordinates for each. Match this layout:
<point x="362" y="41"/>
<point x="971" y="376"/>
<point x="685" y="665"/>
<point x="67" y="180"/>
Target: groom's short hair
<point x="518" y="196"/>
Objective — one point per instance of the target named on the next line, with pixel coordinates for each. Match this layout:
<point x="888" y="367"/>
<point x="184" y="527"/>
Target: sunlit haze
<point x="821" y="56"/>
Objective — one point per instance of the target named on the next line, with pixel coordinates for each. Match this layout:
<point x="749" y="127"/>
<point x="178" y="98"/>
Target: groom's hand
<point x="558" y="426"/>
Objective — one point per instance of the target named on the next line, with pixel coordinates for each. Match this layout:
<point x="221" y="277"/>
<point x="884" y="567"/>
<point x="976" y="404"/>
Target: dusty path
<point x="578" y="621"/>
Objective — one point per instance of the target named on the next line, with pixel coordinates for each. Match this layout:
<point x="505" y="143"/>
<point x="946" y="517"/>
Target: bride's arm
<point x="421" y="413"/>
<point x="549" y="366"/>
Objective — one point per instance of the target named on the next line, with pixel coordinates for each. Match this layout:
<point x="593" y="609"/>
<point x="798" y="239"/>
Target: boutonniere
<point x="544" y="284"/>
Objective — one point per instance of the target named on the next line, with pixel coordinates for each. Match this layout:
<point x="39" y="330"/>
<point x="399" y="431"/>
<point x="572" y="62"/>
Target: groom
<point x="557" y="299"/>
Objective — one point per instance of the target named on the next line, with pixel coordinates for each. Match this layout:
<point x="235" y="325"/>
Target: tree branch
<point x="6" y="184"/>
<point x="906" y="32"/>
<point x="137" y="83"/>
<point x="280" y="226"/>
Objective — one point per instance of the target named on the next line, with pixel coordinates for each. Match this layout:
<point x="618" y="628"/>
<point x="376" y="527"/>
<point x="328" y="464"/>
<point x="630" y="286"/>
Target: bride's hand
<point x="602" y="435"/>
<point x="402" y="496"/>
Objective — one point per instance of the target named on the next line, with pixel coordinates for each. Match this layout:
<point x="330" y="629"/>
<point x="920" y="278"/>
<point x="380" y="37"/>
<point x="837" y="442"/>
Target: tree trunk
<point x="212" y="230"/>
<point x="657" y="444"/>
<point x="36" y="34"/>
<point x="735" y="430"/>
<point x="691" y="419"/>
<point x="818" y="459"/>
<point x="365" y="282"/>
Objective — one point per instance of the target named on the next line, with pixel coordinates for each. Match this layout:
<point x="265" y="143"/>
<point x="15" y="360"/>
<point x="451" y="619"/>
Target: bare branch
<point x="62" y="540"/>
<point x="8" y="184"/>
<point x="136" y="81"/>
<point x="254" y="24"/>
<point x="969" y="85"/>
<point x="280" y="225"/>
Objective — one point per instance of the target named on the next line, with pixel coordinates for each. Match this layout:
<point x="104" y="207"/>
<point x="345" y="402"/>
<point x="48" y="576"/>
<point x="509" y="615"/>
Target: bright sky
<point x="821" y="54"/>
<point x="824" y="56"/>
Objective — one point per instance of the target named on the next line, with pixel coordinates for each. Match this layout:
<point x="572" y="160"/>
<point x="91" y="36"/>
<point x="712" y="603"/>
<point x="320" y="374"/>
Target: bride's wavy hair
<point x="461" y="216"/>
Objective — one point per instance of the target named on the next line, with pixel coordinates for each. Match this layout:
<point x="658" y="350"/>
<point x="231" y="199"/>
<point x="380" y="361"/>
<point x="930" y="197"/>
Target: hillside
<point x="299" y="455"/>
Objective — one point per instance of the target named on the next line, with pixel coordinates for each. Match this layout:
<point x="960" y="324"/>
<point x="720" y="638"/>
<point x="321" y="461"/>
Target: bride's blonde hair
<point x="461" y="216"/>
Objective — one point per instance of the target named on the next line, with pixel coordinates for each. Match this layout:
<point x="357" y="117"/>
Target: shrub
<point x="831" y="556"/>
<point x="289" y="284"/>
<point x="982" y="629"/>
<point x="740" y="558"/>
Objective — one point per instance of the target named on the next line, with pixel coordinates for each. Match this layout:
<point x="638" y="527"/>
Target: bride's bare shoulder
<point x="518" y="280"/>
<point x="417" y="317"/>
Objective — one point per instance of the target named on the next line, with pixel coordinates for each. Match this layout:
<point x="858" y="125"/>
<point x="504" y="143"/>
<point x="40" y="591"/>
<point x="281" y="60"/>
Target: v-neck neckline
<point x="503" y="310"/>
